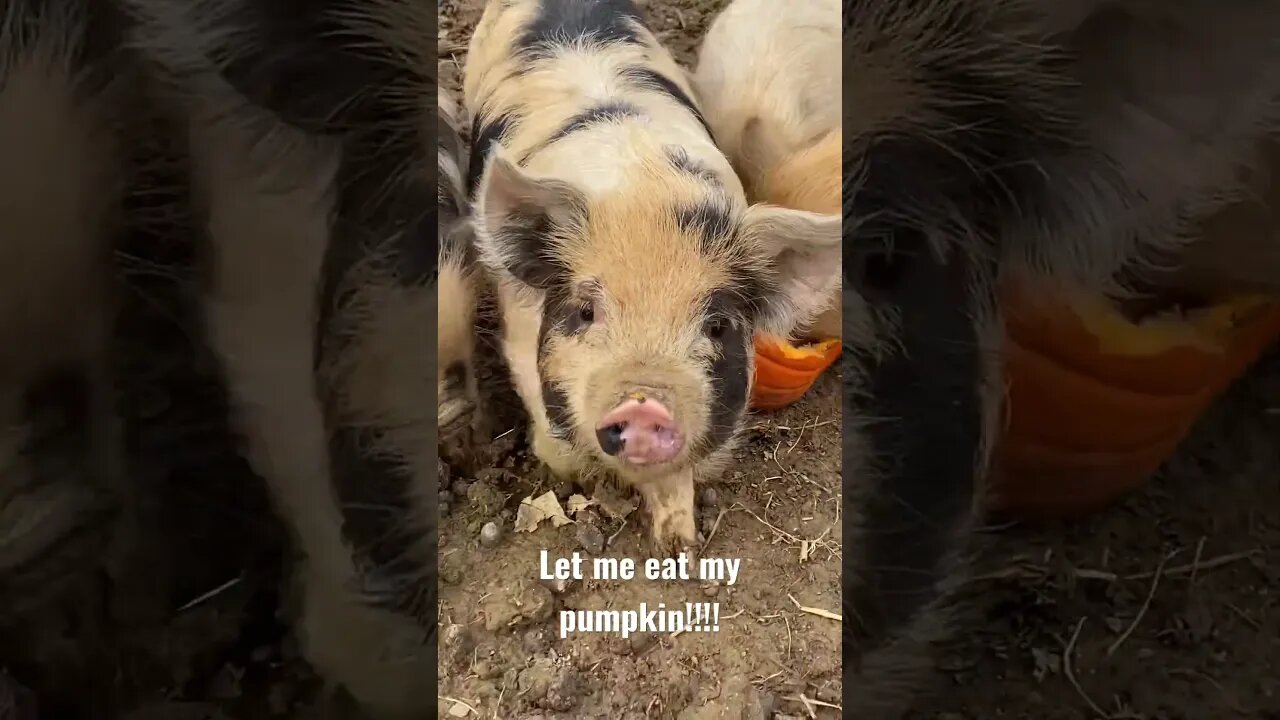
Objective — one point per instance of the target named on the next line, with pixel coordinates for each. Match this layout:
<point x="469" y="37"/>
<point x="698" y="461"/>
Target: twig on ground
<point x="1070" y="672"/>
<point x="211" y="594"/>
<point x="714" y="527"/>
<point x="1024" y="571"/>
<point x="1146" y="604"/>
<point x="815" y="611"/>
<point x="1195" y="561"/>
<point x="609" y="542"/>
<point x="456" y="701"/>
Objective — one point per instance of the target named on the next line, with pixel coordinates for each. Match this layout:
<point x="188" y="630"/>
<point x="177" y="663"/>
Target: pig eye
<point x="717" y="327"/>
<point x="587" y="312"/>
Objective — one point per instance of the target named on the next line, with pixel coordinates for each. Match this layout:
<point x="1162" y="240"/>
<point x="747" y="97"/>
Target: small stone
<point x="590" y="537"/>
<point x="460" y="487"/>
<point x="534" y="681"/>
<point x="526" y="604"/>
<point x="446" y="498"/>
<point x="487" y="669"/>
<point x="557" y="585"/>
<point x="562" y="692"/>
<point x="485" y="498"/>
<point x="458" y="644"/>
<point x="450" y="574"/>
<point x="710" y="591"/>
<point x="490" y="534"/>
<point x="709" y="497"/>
<point x="535" y="640"/>
<point x="640" y="642"/>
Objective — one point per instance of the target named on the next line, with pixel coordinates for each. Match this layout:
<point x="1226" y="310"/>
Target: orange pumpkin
<point x="1096" y="403"/>
<point x="785" y="372"/>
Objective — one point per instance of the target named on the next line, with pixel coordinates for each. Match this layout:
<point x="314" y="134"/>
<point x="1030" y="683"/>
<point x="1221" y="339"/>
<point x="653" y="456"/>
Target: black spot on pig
<point x="562" y="315"/>
<point x="294" y="66"/>
<point x="485" y="133"/>
<point x="604" y="112"/>
<point x="559" y="22"/>
<point x="711" y="220"/>
<point x="730" y="371"/>
<point x="649" y="79"/>
<point x="681" y="161"/>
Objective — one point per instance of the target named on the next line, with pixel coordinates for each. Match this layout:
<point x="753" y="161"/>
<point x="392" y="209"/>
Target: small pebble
<point x="562" y="693"/>
<point x="641" y="642"/>
<point x="490" y="534"/>
<point x="535" y="641"/>
<point x="460" y="487"/>
<point x="557" y="585"/>
<point x="446" y="498"/>
<point x="591" y="538"/>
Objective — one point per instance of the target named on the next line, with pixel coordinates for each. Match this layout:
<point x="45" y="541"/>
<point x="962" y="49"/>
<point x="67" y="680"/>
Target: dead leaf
<point x="578" y="503"/>
<point x="533" y="511"/>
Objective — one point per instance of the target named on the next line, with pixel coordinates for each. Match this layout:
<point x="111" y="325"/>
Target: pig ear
<point x="522" y="221"/>
<point x="804" y="248"/>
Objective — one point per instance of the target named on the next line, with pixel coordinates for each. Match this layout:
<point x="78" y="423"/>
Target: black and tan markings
<point x="560" y="24"/>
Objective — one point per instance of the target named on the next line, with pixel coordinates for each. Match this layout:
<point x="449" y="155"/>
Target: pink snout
<point x="640" y="431"/>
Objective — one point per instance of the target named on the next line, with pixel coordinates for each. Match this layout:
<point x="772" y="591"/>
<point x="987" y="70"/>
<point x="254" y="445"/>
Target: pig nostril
<point x="610" y="438"/>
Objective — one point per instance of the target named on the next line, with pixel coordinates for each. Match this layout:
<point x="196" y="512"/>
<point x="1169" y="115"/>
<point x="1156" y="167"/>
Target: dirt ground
<point x="1169" y="602"/>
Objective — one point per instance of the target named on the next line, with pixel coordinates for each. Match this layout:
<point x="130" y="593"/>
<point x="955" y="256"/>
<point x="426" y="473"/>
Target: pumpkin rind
<point x="785" y="372"/>
<point x="1094" y="408"/>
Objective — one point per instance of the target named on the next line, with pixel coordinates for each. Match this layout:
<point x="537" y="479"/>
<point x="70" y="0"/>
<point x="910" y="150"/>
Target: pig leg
<point x="557" y="455"/>
<point x="670" y="499"/>
<point x="269" y="225"/>
<point x="521" y="322"/>
<point x="458" y="407"/>
<point x="59" y="193"/>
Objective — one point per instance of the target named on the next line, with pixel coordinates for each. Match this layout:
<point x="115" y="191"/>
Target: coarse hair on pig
<point x="1062" y="140"/>
<point x="65" y="174"/>
<point x="632" y="272"/>
<point x="770" y="86"/>
<point x="309" y="130"/>
<point x="459" y="415"/>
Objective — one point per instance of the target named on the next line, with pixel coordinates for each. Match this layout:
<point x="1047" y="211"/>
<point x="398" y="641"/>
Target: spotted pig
<point x="631" y="271"/>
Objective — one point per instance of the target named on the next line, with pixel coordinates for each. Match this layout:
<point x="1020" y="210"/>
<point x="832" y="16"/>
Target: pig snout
<point x="640" y="431"/>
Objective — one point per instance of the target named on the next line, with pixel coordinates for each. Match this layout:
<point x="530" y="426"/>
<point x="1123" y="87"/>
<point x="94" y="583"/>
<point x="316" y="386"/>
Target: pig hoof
<point x="672" y="535"/>
<point x="454" y="415"/>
